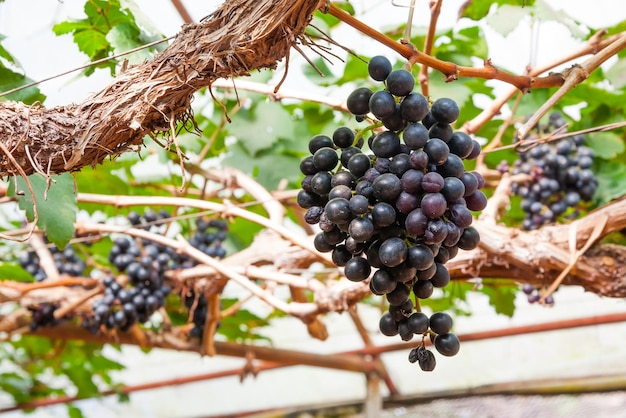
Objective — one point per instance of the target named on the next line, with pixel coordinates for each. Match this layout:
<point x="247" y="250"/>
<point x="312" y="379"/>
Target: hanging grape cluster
<point x="403" y="209"/>
<point x="560" y="176"/>
<point x="138" y="290"/>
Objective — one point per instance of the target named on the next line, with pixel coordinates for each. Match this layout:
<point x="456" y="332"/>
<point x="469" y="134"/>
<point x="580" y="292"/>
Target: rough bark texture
<point x="147" y="99"/>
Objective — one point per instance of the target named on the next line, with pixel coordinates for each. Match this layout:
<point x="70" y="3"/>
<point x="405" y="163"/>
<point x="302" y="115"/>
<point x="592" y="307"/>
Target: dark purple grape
<point x="387" y="187"/>
<point x="383" y="214"/>
<point x="341" y="255"/>
<point x="426" y="359"/>
<point x="437" y="151"/>
<point x="423" y="289"/>
<point x="412" y="181"/>
<point x="461" y="144"/>
<point x="453" y="189"/>
<point x="318" y="142"/>
<point x="419" y="159"/>
<point x="469" y="239"/>
<point x="418" y="323"/>
<point x="359" y="164"/>
<point x="416" y="223"/>
<point x="387" y="325"/>
<point x="361" y="229"/>
<point x="343" y="137"/>
<point x="386" y="144"/>
<point x="442" y="131"/>
<point x="447" y="344"/>
<point x="338" y="210"/>
<point x="441" y="278"/>
<point x="379" y="68"/>
<point x="382" y="282"/>
<point x="440" y="323"/>
<point x="313" y="214"/>
<point x="477" y="201"/>
<point x="445" y="110"/>
<point x="393" y="252"/>
<point x="414" y="108"/>
<point x="433" y="205"/>
<point x="325" y="159"/>
<point x="399" y="295"/>
<point x="382" y="104"/>
<point x="357" y="269"/>
<point x="321" y="183"/>
<point x="358" y="101"/>
<point x="400" y="82"/>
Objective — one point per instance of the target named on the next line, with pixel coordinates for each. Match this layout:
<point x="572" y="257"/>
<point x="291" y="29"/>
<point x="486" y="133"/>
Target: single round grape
<point x="445" y="110"/>
<point x="400" y="82"/>
<point x="436" y="231"/>
<point x="358" y="101"/>
<point x="307" y="167"/>
<point x="442" y="131"/>
<point x="415" y="136"/>
<point x="340" y="191"/>
<point x="343" y="137"/>
<point x="477" y="201"/>
<point x="440" y="323"/>
<point x="387" y="325"/>
<point x="361" y="229"/>
<point x="400" y="164"/>
<point x="347" y="153"/>
<point x="406" y="202"/>
<point x="437" y="151"/>
<point x="321" y="183"/>
<point x="387" y="187"/>
<point x="470" y="182"/>
<point x="475" y="150"/>
<point x="318" y="142"/>
<point x="383" y="214"/>
<point x="453" y="189"/>
<point x="354" y="246"/>
<point x="461" y="216"/>
<point x="412" y="181"/>
<point x="325" y="159"/>
<point x="416" y="223"/>
<point x="379" y="68"/>
<point x="447" y="344"/>
<point x="343" y="178"/>
<point x="418" y="322"/>
<point x="441" y="278"/>
<point x="419" y="159"/>
<point x="393" y="252"/>
<point x="394" y="122"/>
<point x="453" y="167"/>
<point x="357" y="269"/>
<point x="334" y="236"/>
<point x="432" y="182"/>
<point x="341" y="255"/>
<point x="359" y="204"/>
<point x="414" y="107"/>
<point x="461" y="144"/>
<point x="404" y="332"/>
<point x="434" y="205"/>
<point x="382" y="282"/>
<point x="386" y="144"/>
<point x="423" y="289"/>
<point x="359" y="164"/>
<point x="382" y="104"/>
<point x="420" y="256"/>
<point x="338" y="210"/>
<point x="469" y="239"/>
<point x="321" y="245"/>
<point x="399" y="295"/>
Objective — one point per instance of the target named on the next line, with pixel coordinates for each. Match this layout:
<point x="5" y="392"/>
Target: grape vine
<point x="405" y="209"/>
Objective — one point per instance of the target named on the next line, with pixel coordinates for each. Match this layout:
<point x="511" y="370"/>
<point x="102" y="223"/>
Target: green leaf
<point x="326" y="78"/>
<point x="606" y="145"/>
<point x="125" y="37"/>
<point x="14" y="272"/>
<point x="506" y="18"/>
<point x="74" y="412"/>
<point x="478" y="9"/>
<point x="4" y="54"/>
<point x="611" y="181"/>
<point x="617" y="74"/>
<point x="501" y="296"/>
<point x="57" y="214"/>
<point x="10" y="80"/>
<point x="261" y="127"/>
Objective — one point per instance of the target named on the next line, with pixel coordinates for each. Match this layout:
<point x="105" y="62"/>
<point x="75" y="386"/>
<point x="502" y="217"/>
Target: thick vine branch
<point x="241" y="36"/>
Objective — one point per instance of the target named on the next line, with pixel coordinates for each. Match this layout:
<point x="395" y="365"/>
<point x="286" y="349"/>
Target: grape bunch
<point x="66" y="260"/>
<point x="42" y="315"/>
<point x="533" y="293"/>
<point x="199" y="306"/>
<point x="405" y="209"/>
<point x="560" y="176"/>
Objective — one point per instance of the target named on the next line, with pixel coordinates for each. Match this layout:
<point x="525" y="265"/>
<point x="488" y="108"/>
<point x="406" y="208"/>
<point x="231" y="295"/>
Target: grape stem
<point x="573" y="76"/>
<point x="450" y="70"/>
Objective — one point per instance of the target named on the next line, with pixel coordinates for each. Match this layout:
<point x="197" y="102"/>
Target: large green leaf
<point x="57" y="213"/>
<point x="9" y="80"/>
<point x="501" y="295"/>
<point x="14" y="272"/>
<point x="612" y="181"/>
<point x="606" y="145"/>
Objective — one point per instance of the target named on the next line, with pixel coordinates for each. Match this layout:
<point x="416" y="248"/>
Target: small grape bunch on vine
<point x="405" y="209"/>
<point x="560" y="176"/>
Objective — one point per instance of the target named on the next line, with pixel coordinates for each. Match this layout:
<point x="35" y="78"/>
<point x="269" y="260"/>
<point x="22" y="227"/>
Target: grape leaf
<point x="506" y="18"/>
<point x="10" y="80"/>
<point x="14" y="272"/>
<point x="611" y="181"/>
<point x="606" y="145"/>
<point x="501" y="296"/>
<point x="74" y="412"/>
<point x="478" y="9"/>
<point x="56" y="214"/>
<point x="617" y="74"/>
